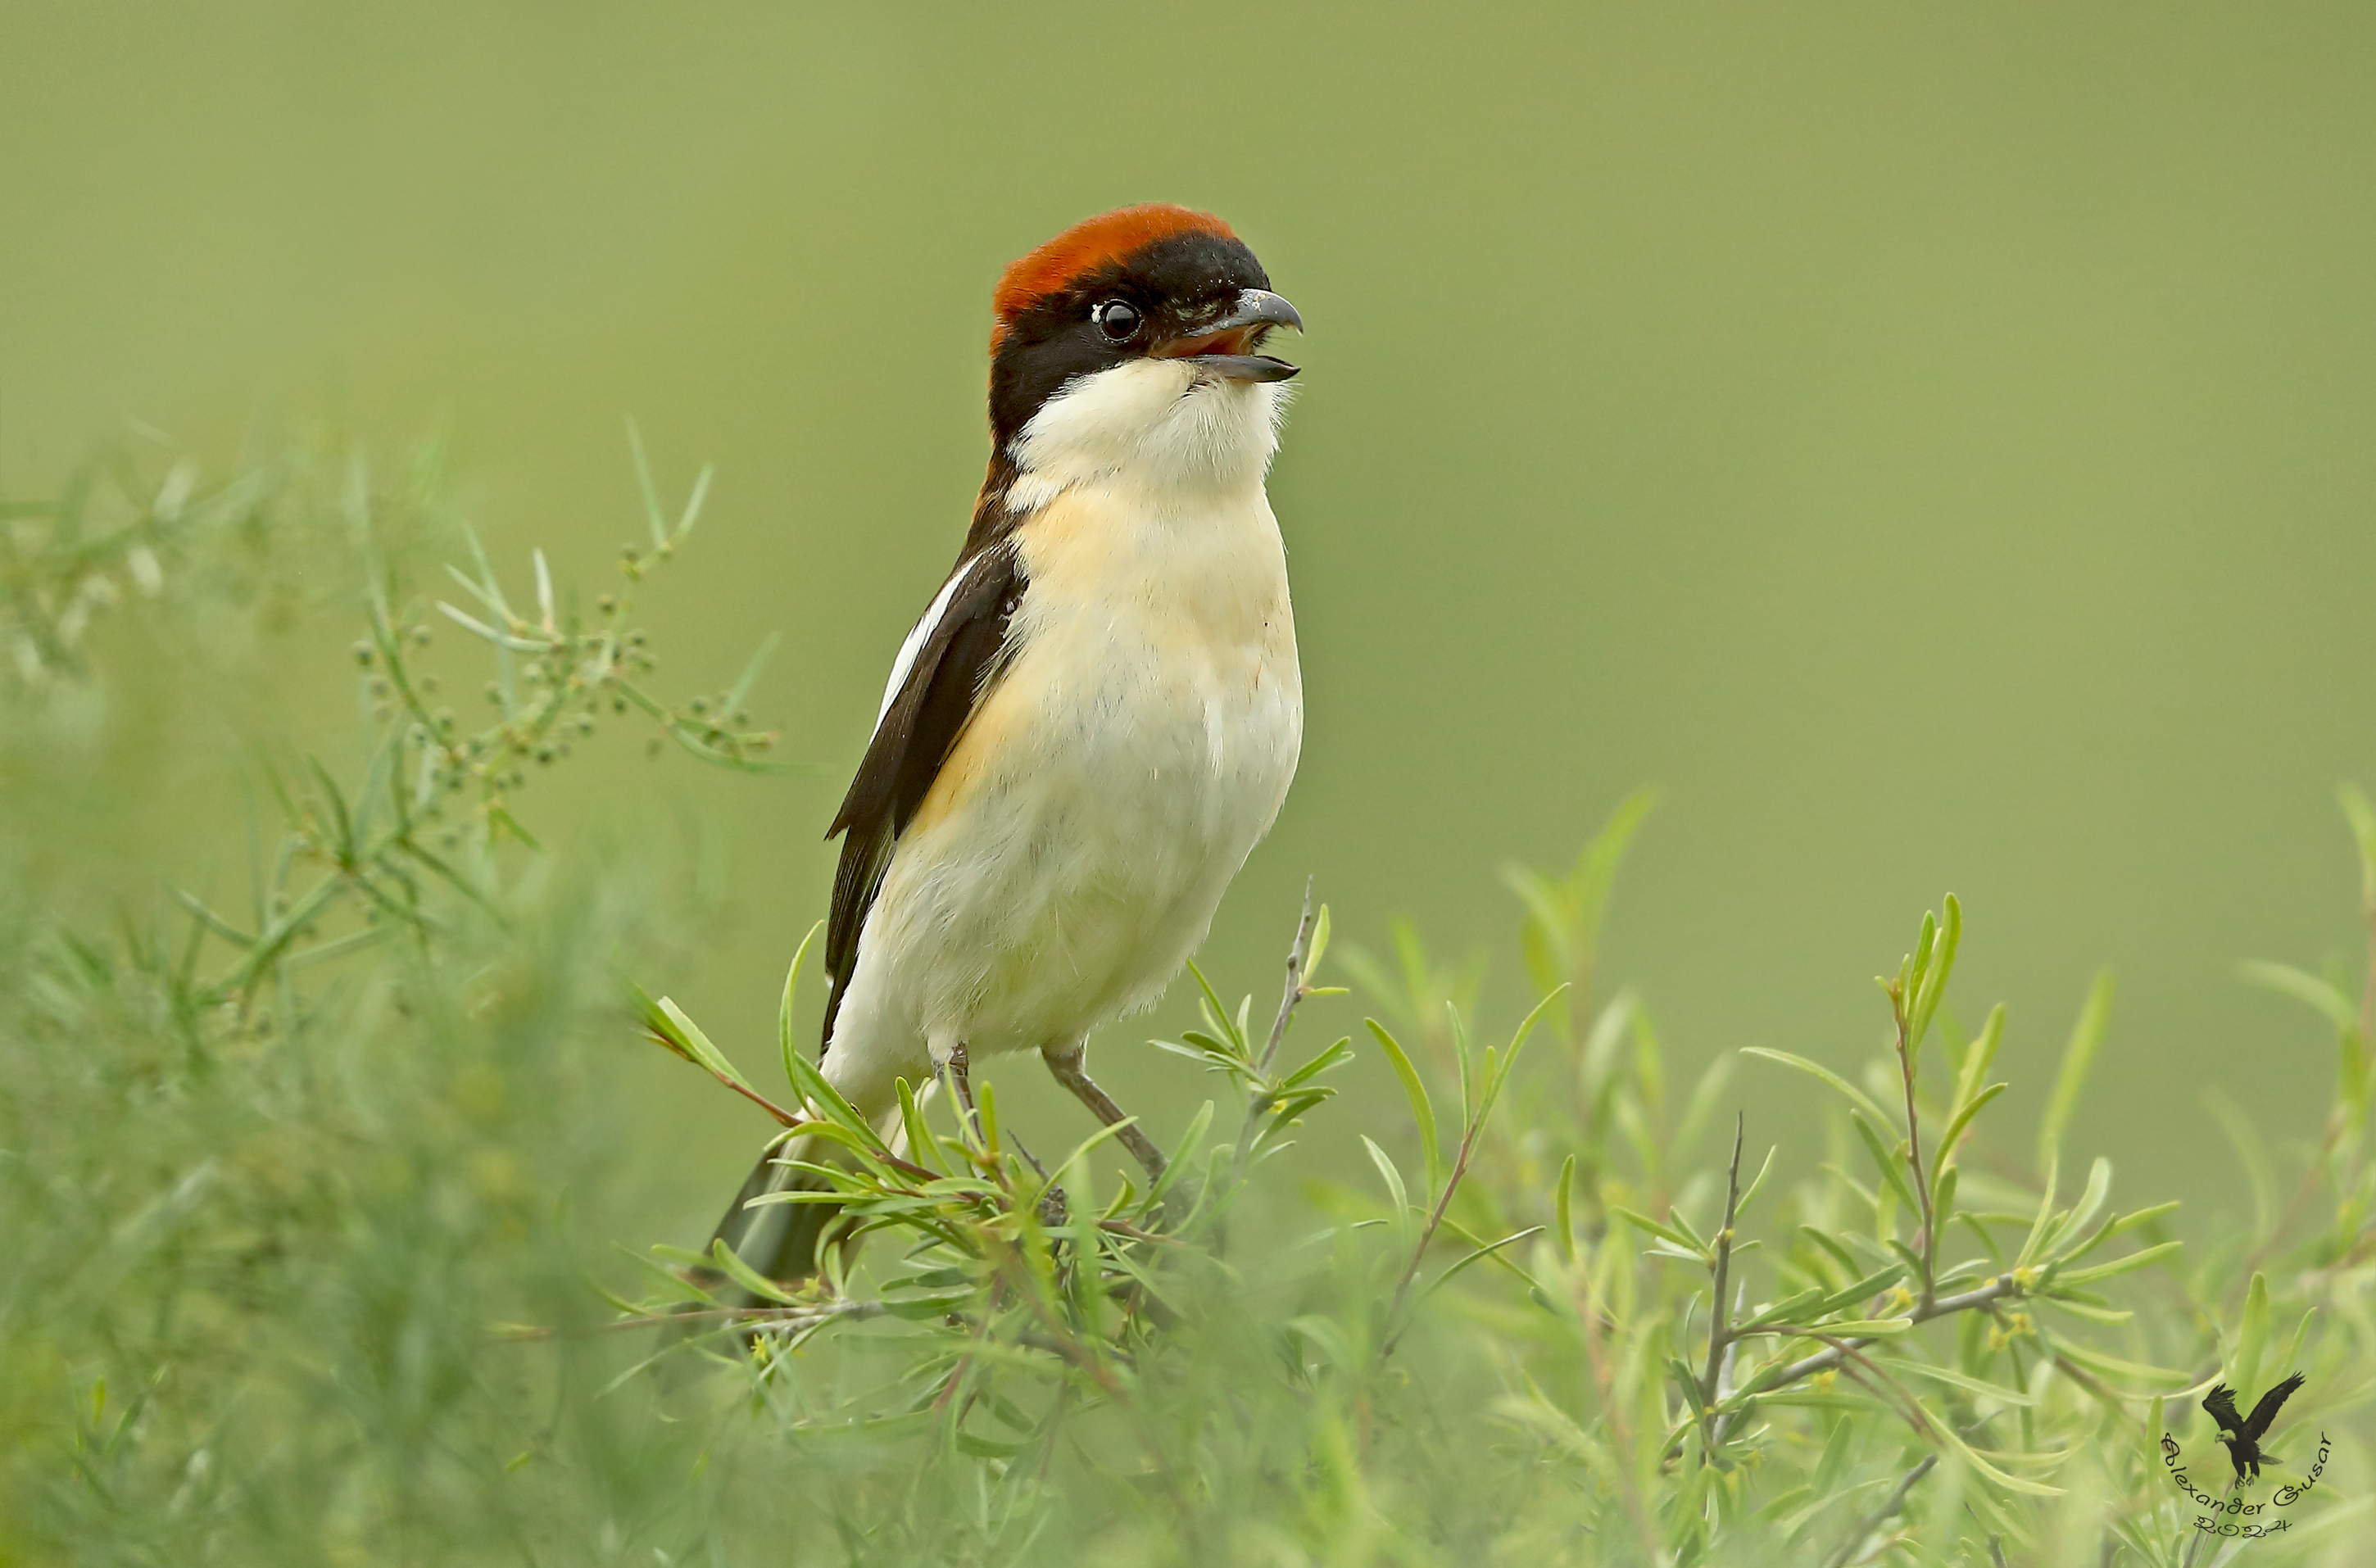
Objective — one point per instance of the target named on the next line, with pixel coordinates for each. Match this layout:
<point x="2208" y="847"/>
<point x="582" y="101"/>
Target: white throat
<point x="1158" y="427"/>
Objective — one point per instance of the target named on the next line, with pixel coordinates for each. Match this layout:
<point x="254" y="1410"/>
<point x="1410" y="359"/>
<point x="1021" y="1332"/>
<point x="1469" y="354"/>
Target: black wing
<point x="2221" y="1403"/>
<point x="963" y="652"/>
<point x="2266" y="1410"/>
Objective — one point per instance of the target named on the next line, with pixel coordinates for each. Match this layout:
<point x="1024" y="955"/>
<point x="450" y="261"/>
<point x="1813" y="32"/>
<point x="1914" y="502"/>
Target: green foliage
<point x="312" y="1217"/>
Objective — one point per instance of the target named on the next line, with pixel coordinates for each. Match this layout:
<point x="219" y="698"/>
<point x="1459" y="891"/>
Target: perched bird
<point x="1099" y="713"/>
<point x="2243" y="1436"/>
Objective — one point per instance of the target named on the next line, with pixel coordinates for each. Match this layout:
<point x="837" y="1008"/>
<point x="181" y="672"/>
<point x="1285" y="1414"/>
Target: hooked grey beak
<point x="1258" y="307"/>
<point x="1223" y="347"/>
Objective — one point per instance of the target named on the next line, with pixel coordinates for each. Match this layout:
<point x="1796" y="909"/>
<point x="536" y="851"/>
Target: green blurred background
<point x="1932" y="445"/>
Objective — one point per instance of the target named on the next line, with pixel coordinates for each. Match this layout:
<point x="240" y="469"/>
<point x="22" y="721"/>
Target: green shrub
<point x="297" y="1268"/>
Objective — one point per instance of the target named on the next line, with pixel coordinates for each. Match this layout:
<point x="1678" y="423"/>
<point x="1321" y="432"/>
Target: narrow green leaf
<point x="1980" y="1386"/>
<point x="1478" y="1255"/>
<point x="2112" y="1366"/>
<point x="784" y="1012"/>
<point x="1934" y="981"/>
<point x="1422" y="1108"/>
<point x="1857" y="1097"/>
<point x="2305" y="988"/>
<point x="2253" y="1155"/>
<point x="490" y="600"/>
<point x="825" y="1099"/>
<point x="1329" y="1057"/>
<point x="669" y="1026"/>
<point x="1979" y="1057"/>
<point x="1886" y="1159"/>
<point x="1563" y="1206"/>
<point x="1917" y="969"/>
<point x="2070" y="1227"/>
<point x="1498" y="1074"/>
<point x="490" y="592"/>
<point x="1865" y="1328"/>
<point x="1948" y="1439"/>
<point x="1750" y="1191"/>
<point x="1834" y="1466"/>
<point x="1643" y="1222"/>
<point x="2292" y="1356"/>
<point x="2363" y="831"/>
<point x="1687" y="1383"/>
<point x="2120" y="1227"/>
<point x="1691" y="1237"/>
<point x="2045" y="1211"/>
<point x="1942" y="1195"/>
<point x="2251" y="1335"/>
<point x="1837" y="1252"/>
<point x="922" y="1148"/>
<point x="1800" y="1307"/>
<point x="480" y="628"/>
<point x="2078" y="1056"/>
<point x="644" y="481"/>
<point x="1460" y="1056"/>
<point x="212" y="922"/>
<point x="742" y="1274"/>
<point x="1394" y="1180"/>
<point x="1700" y="1108"/>
<point x="1081" y="1150"/>
<point x="985" y="1105"/>
<point x="1318" y="949"/>
<point x="691" y="512"/>
<point x="741" y="687"/>
<point x="1190" y="1140"/>
<point x="1863" y="1290"/>
<point x="679" y="1288"/>
<point x="1963" y="1119"/>
<point x="2074" y="1278"/>
<point x="545" y="613"/>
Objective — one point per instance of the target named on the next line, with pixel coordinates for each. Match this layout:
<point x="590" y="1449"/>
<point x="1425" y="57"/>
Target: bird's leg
<point x="957" y="1068"/>
<point x="1064" y="1062"/>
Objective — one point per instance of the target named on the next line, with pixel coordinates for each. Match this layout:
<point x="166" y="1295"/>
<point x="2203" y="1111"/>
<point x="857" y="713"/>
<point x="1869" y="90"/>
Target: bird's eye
<point x="1116" y="318"/>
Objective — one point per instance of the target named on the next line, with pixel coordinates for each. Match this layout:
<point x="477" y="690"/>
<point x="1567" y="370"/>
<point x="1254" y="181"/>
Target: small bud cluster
<point x="558" y="678"/>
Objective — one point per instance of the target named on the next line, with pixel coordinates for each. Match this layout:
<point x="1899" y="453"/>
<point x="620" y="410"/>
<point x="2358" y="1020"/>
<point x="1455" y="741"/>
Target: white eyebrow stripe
<point x="917" y="637"/>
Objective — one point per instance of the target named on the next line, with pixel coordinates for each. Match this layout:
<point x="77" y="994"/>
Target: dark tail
<point x="779" y="1239"/>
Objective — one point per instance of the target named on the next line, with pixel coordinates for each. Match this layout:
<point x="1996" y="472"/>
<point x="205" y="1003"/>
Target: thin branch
<point x="1996" y="1289"/>
<point x="1258" y="1095"/>
<point x="1719" y="1323"/>
<point x="1427" y="1235"/>
<point x="2000" y="1288"/>
<point x="2106" y="1394"/>
<point x="1294" y="992"/>
<point x="1915" y="1417"/>
<point x="1882" y="1514"/>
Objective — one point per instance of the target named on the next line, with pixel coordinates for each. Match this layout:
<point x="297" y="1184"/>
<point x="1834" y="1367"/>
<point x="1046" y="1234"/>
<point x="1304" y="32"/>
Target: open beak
<point x="1227" y="346"/>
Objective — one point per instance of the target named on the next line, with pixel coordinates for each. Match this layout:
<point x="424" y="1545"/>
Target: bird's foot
<point x="958" y="1070"/>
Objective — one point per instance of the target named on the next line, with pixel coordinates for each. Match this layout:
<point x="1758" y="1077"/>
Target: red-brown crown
<point x="1090" y="245"/>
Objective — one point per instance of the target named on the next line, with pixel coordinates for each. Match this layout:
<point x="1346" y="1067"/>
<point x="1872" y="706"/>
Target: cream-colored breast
<point x="1139" y="744"/>
<point x="1071" y="853"/>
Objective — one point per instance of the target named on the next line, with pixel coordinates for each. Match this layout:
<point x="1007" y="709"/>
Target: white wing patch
<point x="917" y="639"/>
